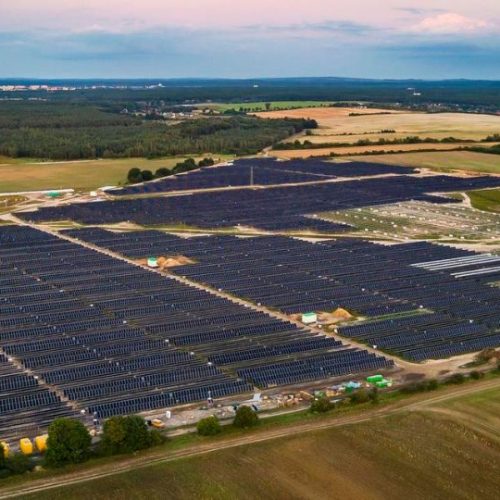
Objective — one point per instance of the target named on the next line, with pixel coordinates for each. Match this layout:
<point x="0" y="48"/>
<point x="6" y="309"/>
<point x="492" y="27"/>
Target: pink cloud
<point x="449" y="23"/>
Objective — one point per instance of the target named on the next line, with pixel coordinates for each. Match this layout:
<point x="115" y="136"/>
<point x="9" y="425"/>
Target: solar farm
<point x="88" y="330"/>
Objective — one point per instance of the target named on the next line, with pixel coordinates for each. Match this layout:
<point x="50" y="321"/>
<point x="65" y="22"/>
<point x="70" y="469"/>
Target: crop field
<point x="443" y="161"/>
<point x="335" y="121"/>
<point x="355" y="150"/>
<point x="422" y="220"/>
<point x="387" y="458"/>
<point x="31" y="175"/>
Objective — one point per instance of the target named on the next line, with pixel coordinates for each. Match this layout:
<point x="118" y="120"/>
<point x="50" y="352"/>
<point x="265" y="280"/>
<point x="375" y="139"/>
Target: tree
<point x="268" y="106"/>
<point x="125" y="435"/>
<point x="134" y="175"/>
<point x="147" y="175"/>
<point x="245" y="418"/>
<point x="209" y="426"/>
<point x="321" y="405"/>
<point x="206" y="162"/>
<point x="68" y="442"/>
<point x="162" y="172"/>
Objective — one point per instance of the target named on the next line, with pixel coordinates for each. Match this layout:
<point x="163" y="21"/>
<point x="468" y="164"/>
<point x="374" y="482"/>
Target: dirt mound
<point x="168" y="262"/>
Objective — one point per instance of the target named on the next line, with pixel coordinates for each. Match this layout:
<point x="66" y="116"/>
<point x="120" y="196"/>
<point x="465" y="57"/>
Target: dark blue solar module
<point x="261" y="171"/>
<point x="368" y="279"/>
<point x="114" y="338"/>
<point x="276" y="208"/>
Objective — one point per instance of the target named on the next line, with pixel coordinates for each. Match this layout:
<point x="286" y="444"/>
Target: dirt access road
<point x="420" y="402"/>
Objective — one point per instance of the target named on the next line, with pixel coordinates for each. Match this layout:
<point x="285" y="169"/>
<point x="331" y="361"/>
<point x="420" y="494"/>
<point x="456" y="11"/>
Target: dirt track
<point x="415" y="403"/>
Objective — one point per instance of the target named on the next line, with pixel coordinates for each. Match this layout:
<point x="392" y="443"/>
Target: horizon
<point x="398" y="40"/>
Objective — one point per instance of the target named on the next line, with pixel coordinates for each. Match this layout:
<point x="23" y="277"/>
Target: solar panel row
<point x="115" y="338"/>
<point x="369" y="280"/>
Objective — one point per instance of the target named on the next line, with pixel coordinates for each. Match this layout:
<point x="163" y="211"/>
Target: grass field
<point x="488" y="199"/>
<point x="445" y="161"/>
<point x="450" y="450"/>
<point x="29" y="175"/>
<point x="261" y="106"/>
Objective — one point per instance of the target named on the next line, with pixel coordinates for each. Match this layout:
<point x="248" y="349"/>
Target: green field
<point x="261" y="106"/>
<point x="440" y="160"/>
<point x="448" y="450"/>
<point x="487" y="199"/>
<point x="29" y="175"/>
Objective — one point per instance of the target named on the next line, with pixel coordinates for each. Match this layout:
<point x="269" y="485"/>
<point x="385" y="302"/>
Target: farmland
<point x="335" y="121"/>
<point x="383" y="459"/>
<point x="360" y="150"/>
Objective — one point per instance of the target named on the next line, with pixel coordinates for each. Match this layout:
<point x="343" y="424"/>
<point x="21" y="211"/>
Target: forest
<point x="63" y="131"/>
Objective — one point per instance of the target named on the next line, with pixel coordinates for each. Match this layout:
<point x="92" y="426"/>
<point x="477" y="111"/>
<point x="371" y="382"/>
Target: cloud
<point x="449" y="23"/>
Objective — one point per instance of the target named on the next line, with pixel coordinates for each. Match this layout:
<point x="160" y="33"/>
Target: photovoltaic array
<point x="275" y="208"/>
<point x="110" y="337"/>
<point x="441" y="295"/>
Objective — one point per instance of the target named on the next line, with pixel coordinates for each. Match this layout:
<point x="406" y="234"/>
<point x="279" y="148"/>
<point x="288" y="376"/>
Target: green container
<point x="381" y="384"/>
<point x="372" y="379"/>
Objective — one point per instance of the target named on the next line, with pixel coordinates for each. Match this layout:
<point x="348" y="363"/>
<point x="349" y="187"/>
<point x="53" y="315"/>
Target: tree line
<point x="136" y="175"/>
<point x="76" y="132"/>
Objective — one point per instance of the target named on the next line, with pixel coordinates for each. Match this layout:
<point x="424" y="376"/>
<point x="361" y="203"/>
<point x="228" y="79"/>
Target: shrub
<point x="245" y="417"/>
<point x="321" y="405"/>
<point x="432" y="384"/>
<point x="374" y="395"/>
<point x="2" y="457"/>
<point x="456" y="378"/>
<point x="476" y="375"/>
<point x="18" y="464"/>
<point x="209" y="426"/>
<point x="360" y="396"/>
<point x="68" y="442"/>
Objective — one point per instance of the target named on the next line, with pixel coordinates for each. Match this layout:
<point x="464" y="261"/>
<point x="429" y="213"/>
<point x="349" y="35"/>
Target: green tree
<point x="147" y="175"/>
<point x="209" y="426"/>
<point x="125" y="435"/>
<point x="245" y="417"/>
<point x="162" y="172"/>
<point x="134" y="175"/>
<point x="68" y="442"/>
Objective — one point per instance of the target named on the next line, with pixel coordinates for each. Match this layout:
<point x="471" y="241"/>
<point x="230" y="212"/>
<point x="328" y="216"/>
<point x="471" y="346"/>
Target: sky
<point x="428" y="39"/>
